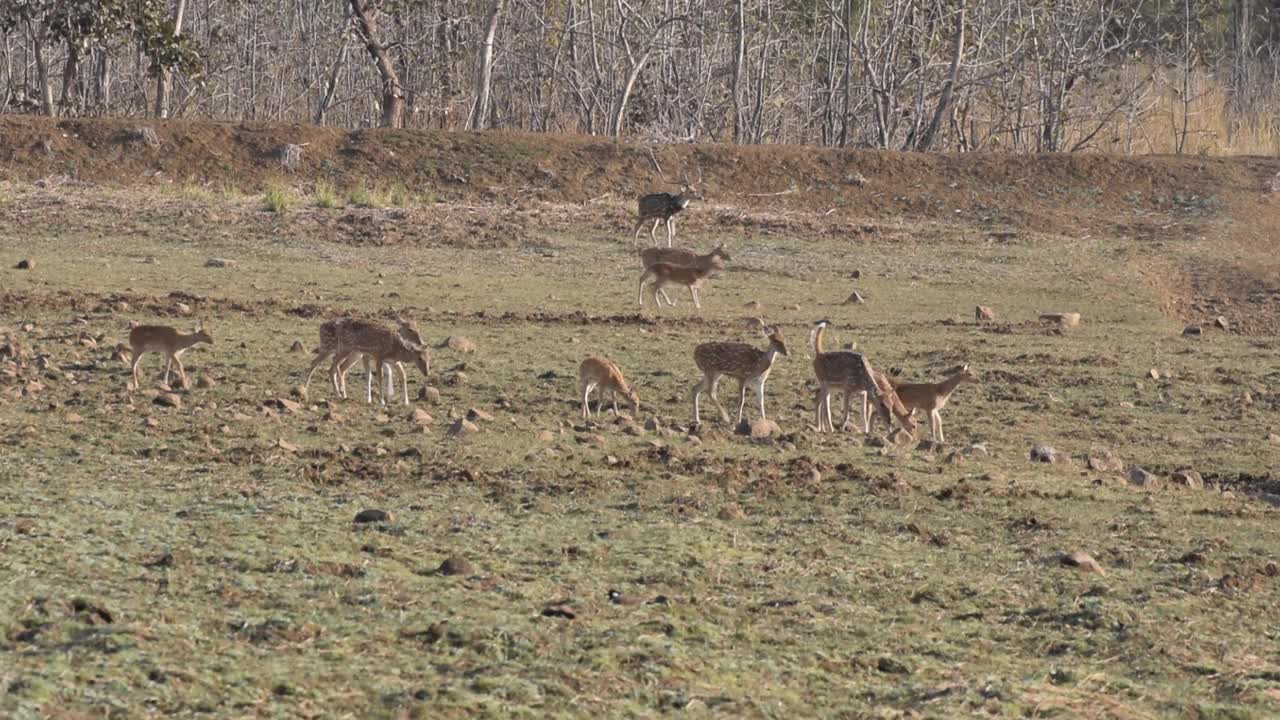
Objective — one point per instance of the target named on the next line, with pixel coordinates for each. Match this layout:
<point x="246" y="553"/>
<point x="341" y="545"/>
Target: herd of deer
<point x="346" y="340"/>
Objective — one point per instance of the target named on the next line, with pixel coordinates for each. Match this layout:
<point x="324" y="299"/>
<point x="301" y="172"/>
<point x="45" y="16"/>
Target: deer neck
<point x="186" y="340"/>
<point x="948" y="386"/>
<point x="817" y="340"/>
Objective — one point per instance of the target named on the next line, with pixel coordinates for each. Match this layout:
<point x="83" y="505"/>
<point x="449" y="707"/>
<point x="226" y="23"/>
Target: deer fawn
<point x="713" y="260"/>
<point x="851" y="372"/>
<point x="330" y="333"/>
<point x="744" y="363"/>
<point x="163" y="339"/>
<point x="932" y="397"/>
<point x="662" y="207"/>
<point x="383" y="347"/>
<point x="603" y="373"/>
<point x="663" y="274"/>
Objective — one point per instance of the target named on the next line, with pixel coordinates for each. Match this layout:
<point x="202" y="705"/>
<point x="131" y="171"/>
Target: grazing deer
<point x="383" y="347"/>
<point x="932" y="397"/>
<point x="603" y="373"/>
<point x="851" y="372"/>
<point x="163" y="339"/>
<point x="713" y="260"/>
<point x="663" y="274"/>
<point x="408" y="330"/>
<point x="662" y="207"/>
<point x="331" y="331"/>
<point x="748" y="365"/>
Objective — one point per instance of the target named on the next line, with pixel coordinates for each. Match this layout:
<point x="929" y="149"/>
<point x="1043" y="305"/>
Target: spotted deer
<point x="749" y="365"/>
<point x="932" y="397"/>
<point x="663" y="274"/>
<point x="662" y="208"/>
<point x="166" y="340"/>
<point x="851" y="372"/>
<point x="603" y="374"/>
<point x="383" y="346"/>
<point x="331" y="331"/>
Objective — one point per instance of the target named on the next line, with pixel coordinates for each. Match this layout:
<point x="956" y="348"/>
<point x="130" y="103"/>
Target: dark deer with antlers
<point x="662" y="208"/>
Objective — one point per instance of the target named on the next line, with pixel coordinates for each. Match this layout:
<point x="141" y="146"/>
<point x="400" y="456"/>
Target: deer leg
<point x="653" y="231"/>
<point x="760" y="397"/>
<point x="315" y="364"/>
<point x="671" y="230"/>
<point x="182" y="373"/>
<point x="936" y="418"/>
<point x="694" y="292"/>
<point x="667" y="297"/>
<point x="635" y="238"/>
<point x="715" y="385"/>
<point x="586" y="403"/>
<point x="390" y="388"/>
<point x="817" y="409"/>
<point x="137" y="358"/>
<point x="697" y="392"/>
<point x="404" y="383"/>
<point x="643" y="276"/>
<point x="382" y="385"/>
<point x="742" y="398"/>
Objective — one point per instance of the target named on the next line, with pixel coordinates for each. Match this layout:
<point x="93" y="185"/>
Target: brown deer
<point x="163" y="339"/>
<point x="663" y="274"/>
<point x="604" y="374"/>
<point x="331" y="331"/>
<point x="383" y="347"/>
<point x="932" y="397"/>
<point x="713" y="260"/>
<point x="851" y="372"/>
<point x="748" y="365"/>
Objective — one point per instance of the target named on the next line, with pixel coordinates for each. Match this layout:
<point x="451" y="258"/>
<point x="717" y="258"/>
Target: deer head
<point x="201" y="335"/>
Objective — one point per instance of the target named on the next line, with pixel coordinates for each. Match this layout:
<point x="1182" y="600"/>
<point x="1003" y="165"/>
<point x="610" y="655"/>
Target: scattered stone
<point x="611" y="460"/>
<point x="288" y="405"/>
<point x="1104" y="463"/>
<point x="168" y="400"/>
<point x="297" y="347"/>
<point x="891" y="666"/>
<point x="151" y="423"/>
<point x="653" y="424"/>
<point x="793" y="307"/>
<point x="286" y="446"/>
<point x="754" y="305"/>
<point x="429" y="394"/>
<point x="1083" y="562"/>
<point x="855" y="298"/>
<point x="758" y="428"/>
<point x="983" y="314"/>
<point x="594" y="439"/>
<point x="459" y="344"/>
<point x="1192" y="331"/>
<point x="204" y="382"/>
<point x="732" y="511"/>
<point x="73" y="418"/>
<point x="1154" y="374"/>
<point x="1144" y="479"/>
<point x="546" y="436"/>
<point x="1273" y="438"/>
<point x="1044" y="454"/>
<point x="420" y="417"/>
<point x="559" y="611"/>
<point x="1188" y="478"/>
<point x="182" y="308"/>
<point x="1066" y="320"/>
<point x="25" y="265"/>
<point x="290" y="157"/>
<point x="478" y="415"/>
<point x="456" y="565"/>
<point x="373" y="516"/>
<point x="463" y="427"/>
<point x="220" y="263"/>
<point x="457" y="378"/>
<point x="1221" y="323"/>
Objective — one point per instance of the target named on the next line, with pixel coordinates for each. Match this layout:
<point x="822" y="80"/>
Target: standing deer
<point x="713" y="260"/>
<point x="662" y="208"/>
<point x="603" y="373"/>
<point x="663" y="274"/>
<point x="851" y="372"/>
<point x="748" y="365"/>
<point x="383" y="347"/>
<point x="932" y="397"/>
<point x="330" y="333"/>
<point x="163" y="339"/>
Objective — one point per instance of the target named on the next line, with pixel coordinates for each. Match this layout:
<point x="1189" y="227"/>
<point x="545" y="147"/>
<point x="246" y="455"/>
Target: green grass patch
<point x="278" y="198"/>
<point x="326" y="196"/>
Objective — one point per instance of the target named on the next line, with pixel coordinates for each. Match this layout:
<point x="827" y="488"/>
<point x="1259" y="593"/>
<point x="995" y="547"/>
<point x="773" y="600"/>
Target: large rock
<point x="463" y="427"/>
<point x="1188" y="478"/>
<point x="1143" y="479"/>
<point x="457" y="343"/>
<point x="1044" y="454"/>
<point x="760" y="428"/>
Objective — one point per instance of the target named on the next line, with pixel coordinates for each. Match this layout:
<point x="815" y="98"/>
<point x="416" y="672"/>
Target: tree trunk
<point x="484" y="73"/>
<point x="38" y="37"/>
<point x="740" y="58"/>
<point x="392" y="90"/>
<point x="925" y="140"/>
<point x="165" y="79"/>
<point x="620" y="112"/>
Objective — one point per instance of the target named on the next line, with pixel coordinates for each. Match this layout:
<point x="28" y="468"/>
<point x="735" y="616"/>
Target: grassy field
<point x="203" y="560"/>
